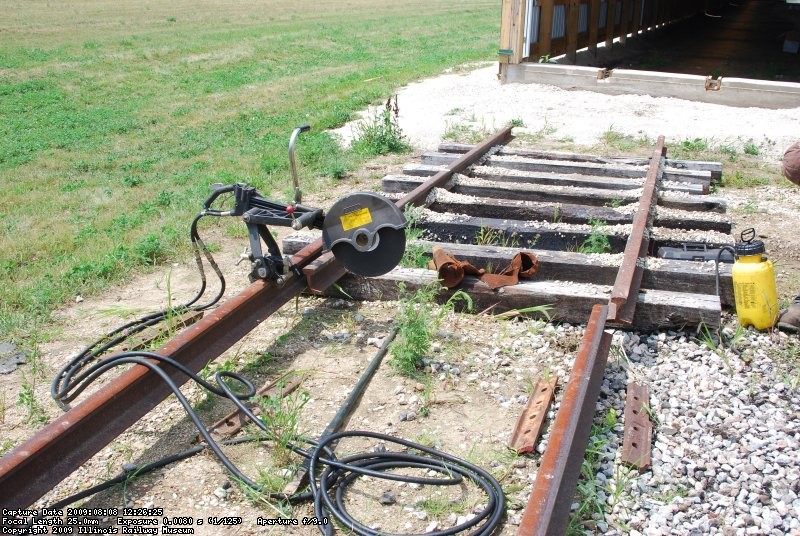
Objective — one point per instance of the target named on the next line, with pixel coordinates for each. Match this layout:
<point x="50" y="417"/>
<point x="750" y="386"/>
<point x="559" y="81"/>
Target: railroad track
<point x="467" y="189"/>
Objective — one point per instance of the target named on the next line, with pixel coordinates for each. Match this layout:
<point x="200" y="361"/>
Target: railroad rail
<point x="549" y="183"/>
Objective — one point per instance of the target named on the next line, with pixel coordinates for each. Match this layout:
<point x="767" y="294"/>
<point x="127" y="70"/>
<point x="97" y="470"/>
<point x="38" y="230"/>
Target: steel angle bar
<point x="51" y="454"/>
<point x="629" y="276"/>
<point x="638" y="433"/>
<point x="547" y="512"/>
<point x="418" y="195"/>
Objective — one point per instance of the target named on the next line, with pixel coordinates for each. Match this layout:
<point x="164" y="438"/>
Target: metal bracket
<point x="713" y="84"/>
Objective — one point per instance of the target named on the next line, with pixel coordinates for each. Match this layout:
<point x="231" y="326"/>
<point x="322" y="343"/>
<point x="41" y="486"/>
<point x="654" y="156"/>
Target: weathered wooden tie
<point x="714" y="168"/>
<point x="559" y="194"/>
<point x="600" y="269"/>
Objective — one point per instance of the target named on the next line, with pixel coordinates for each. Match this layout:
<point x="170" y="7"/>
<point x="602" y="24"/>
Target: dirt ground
<point x="480" y="372"/>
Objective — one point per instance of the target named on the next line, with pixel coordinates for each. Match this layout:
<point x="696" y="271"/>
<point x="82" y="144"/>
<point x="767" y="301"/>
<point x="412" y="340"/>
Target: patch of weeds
<point x="695" y="145"/>
<point x="614" y="139"/>
<point x="418" y="317"/>
<point x="26" y="399"/>
<point x="517" y="122"/>
<point x="751" y="149"/>
<point x="488" y="236"/>
<point x="597" y="241"/>
<point x="751" y="207"/>
<point x="713" y="342"/>
<point x="540" y="310"/>
<point x="543" y="133"/>
<point x="651" y="414"/>
<point x="614" y="203"/>
<point x="438" y="507"/>
<point x="281" y="416"/>
<point x="591" y="492"/>
<point x="787" y="358"/>
<point x="415" y="255"/>
<point x="464" y="132"/>
<point x="429" y="439"/>
<point x="729" y="151"/>
<point x="621" y="483"/>
<point x="426" y="398"/>
<point x="381" y="134"/>
<point x="689" y="148"/>
<point x="270" y="482"/>
<point x="72" y="185"/>
<point x="669" y="494"/>
<point x="151" y="249"/>
<point x="235" y="230"/>
<point x="165" y="198"/>
<point x="710" y="340"/>
<point x="6" y="446"/>
<point x="740" y="179"/>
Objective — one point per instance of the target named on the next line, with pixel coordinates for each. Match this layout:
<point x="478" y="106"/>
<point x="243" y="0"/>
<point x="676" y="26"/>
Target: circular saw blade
<point x="384" y="257"/>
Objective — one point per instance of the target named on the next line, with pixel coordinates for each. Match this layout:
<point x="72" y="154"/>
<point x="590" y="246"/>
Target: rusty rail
<point x="35" y="467"/>
<point x="54" y="452"/>
<point x="629" y="276"/>
<point x="548" y="508"/>
<point x="418" y="194"/>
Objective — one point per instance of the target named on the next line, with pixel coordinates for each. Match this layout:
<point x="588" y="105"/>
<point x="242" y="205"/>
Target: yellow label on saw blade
<point x="357" y="218"/>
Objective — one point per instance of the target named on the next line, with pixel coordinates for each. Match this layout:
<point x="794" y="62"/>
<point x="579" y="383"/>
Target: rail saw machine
<point x="363" y="230"/>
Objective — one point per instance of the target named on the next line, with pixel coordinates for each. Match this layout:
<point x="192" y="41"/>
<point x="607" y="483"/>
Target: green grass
<point x="115" y="122"/>
<point x="415" y="255"/>
<point x="592" y="504"/>
<point x="597" y="241"/>
<point x="417" y="319"/>
<point x="463" y="132"/>
<point x="488" y="236"/>
<point x="381" y="134"/>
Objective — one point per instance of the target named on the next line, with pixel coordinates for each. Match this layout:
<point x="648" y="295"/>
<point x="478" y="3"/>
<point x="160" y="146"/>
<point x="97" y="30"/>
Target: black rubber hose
<point x="67" y="383"/>
<point x="337" y="476"/>
<point x="329" y="489"/>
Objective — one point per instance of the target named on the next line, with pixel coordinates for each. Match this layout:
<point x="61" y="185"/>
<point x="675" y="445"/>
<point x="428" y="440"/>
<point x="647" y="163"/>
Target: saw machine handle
<point x="306" y="219"/>
<point x="298" y="194"/>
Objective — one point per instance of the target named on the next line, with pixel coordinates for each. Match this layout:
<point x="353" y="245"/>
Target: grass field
<point x="115" y="117"/>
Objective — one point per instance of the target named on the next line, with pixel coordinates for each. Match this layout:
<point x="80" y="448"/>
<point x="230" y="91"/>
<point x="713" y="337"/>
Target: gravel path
<point x="477" y="98"/>
<point x="726" y="440"/>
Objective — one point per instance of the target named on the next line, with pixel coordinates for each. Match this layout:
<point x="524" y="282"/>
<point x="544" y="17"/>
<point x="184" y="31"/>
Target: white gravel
<point x="726" y="438"/>
<point x="477" y="97"/>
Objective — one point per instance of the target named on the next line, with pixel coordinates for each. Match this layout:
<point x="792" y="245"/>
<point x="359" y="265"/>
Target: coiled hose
<point x="335" y="475"/>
